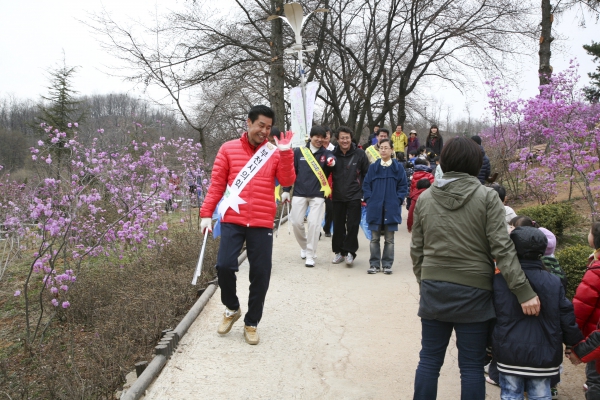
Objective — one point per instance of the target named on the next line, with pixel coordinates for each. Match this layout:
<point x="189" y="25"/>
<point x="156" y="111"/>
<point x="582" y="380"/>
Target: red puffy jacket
<point x="585" y="302"/>
<point x="259" y="193"/>
<point x="413" y="203"/>
<point x="417" y="176"/>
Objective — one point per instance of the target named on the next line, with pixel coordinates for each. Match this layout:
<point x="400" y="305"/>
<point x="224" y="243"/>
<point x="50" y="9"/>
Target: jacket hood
<point x="421" y="167"/>
<point x="530" y="242"/>
<point x="454" y="190"/>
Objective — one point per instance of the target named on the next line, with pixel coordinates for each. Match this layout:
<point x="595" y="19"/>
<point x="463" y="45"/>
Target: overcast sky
<point x="35" y="33"/>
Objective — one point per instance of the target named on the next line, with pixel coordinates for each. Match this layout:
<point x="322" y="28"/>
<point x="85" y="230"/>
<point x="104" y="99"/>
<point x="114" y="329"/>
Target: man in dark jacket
<point x="528" y="349"/>
<point x="348" y="176"/>
<point x="486" y="168"/>
<point x="312" y="164"/>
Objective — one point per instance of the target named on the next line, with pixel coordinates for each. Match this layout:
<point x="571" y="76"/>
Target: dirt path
<point x="329" y="332"/>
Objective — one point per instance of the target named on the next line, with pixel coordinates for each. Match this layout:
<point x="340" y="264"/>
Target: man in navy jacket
<point x="308" y="191"/>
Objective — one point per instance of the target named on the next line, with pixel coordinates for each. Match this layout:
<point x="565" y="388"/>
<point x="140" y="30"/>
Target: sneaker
<point x="327" y="234"/>
<point x="310" y="262"/>
<point x="349" y="259"/>
<point x="251" y="335"/>
<point x="229" y="318"/>
<point x="585" y="387"/>
<point x="490" y="381"/>
<point x="387" y="270"/>
<point x="338" y="258"/>
<point x="554" y="393"/>
<point x="302" y="254"/>
<point x="373" y="270"/>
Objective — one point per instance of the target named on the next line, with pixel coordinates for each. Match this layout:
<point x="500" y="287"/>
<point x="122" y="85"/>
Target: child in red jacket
<point x="421" y="171"/>
<point x="587" y="314"/>
<point x="422" y="186"/>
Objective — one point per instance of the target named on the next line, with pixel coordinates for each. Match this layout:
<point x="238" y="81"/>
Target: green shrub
<point x="555" y="217"/>
<point x="573" y="260"/>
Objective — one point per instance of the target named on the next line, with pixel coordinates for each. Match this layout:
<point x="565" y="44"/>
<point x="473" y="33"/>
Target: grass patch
<point x="118" y="310"/>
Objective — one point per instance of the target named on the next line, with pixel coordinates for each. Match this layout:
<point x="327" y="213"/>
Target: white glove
<point x="285" y="197"/>
<point x="205" y="224"/>
<point x="331" y="162"/>
<point x="284" y="143"/>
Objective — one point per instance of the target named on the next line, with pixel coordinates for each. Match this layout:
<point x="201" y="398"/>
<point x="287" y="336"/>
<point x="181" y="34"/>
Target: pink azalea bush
<point x="98" y="201"/>
<point x="563" y="123"/>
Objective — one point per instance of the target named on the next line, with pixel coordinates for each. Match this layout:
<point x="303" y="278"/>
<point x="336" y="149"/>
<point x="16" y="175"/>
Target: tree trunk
<point x="276" y="74"/>
<point x="545" y="70"/>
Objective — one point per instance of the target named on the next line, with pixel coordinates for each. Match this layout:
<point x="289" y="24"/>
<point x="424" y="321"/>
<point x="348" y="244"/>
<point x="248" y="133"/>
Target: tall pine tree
<point x="60" y="111"/>
<point x="61" y="106"/>
<point x="592" y="92"/>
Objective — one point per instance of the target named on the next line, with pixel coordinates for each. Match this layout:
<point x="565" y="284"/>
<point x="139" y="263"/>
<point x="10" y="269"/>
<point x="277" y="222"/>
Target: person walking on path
<point x="399" y="141"/>
<point x="434" y="142"/>
<point x="312" y="165"/>
<point x="348" y="176"/>
<point x="587" y="314"/>
<point x="413" y="143"/>
<point x="457" y="233"/>
<point x="529" y="350"/>
<point x="421" y="170"/>
<point x="486" y="168"/>
<point x="373" y="151"/>
<point x="243" y="176"/>
<point x="422" y="185"/>
<point x="328" y="202"/>
<point x="384" y="190"/>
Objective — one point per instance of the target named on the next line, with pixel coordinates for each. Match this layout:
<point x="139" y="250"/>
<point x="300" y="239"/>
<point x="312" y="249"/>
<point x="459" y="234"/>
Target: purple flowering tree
<point x="556" y="136"/>
<point x="100" y="201"/>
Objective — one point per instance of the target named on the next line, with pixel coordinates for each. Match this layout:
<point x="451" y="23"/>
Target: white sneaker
<point x="338" y="258"/>
<point x="349" y="259"/>
<point x="310" y="262"/>
<point x="302" y="254"/>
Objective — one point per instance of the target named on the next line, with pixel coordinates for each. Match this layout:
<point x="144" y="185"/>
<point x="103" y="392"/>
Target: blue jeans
<point x="471" y="339"/>
<point x="378" y="259"/>
<point x="512" y="388"/>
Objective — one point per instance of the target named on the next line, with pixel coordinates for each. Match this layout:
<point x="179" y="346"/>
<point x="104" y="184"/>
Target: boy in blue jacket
<point x="529" y="349"/>
<point x="384" y="190"/>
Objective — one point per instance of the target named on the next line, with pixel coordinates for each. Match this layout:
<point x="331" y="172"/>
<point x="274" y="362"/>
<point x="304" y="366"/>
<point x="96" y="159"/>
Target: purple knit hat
<point x="551" y="241"/>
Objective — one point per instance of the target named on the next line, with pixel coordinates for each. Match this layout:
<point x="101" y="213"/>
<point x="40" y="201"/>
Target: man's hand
<point x="285" y="143"/>
<point x="285" y="197"/>
<point x="205" y="224"/>
<point x="330" y="162"/>
<point x="532" y="307"/>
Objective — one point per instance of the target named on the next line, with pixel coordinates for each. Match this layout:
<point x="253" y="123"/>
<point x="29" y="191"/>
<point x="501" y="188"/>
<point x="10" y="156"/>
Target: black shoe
<point x="373" y="270"/>
<point x="387" y="270"/>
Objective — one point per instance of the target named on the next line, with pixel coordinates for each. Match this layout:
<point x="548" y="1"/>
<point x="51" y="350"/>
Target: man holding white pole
<point x="243" y="176"/>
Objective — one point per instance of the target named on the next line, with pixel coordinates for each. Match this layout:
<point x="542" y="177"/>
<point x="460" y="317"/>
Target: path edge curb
<point x="141" y="384"/>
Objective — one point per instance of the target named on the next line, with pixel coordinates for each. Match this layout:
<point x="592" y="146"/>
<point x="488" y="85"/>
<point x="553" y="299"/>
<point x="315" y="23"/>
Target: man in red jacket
<point x="243" y="176"/>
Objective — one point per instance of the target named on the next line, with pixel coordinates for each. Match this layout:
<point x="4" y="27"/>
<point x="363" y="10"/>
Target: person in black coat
<point x="528" y="349"/>
<point x="348" y="175"/>
<point x="486" y="167"/>
<point x="434" y="142"/>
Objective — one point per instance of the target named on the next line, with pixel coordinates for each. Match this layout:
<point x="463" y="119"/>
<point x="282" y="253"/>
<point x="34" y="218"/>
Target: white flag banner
<point x="300" y="120"/>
